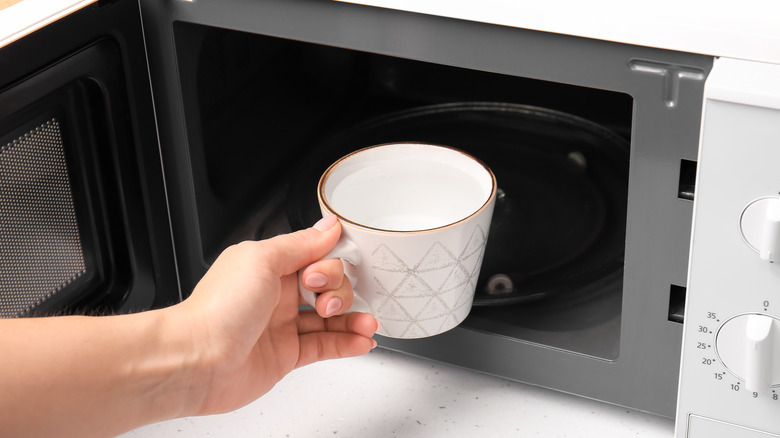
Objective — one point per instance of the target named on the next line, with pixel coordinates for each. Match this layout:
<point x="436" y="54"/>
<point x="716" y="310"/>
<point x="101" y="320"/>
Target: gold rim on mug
<point x="324" y="202"/>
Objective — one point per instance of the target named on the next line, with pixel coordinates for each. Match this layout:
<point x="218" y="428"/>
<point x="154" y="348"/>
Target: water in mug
<point x="408" y="195"/>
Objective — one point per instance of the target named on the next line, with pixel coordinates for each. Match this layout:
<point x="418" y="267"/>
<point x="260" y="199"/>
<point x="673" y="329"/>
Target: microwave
<point x="630" y="259"/>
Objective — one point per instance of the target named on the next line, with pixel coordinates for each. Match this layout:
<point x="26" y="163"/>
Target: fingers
<point x="288" y="253"/>
<point x="324" y="275"/>
<point x="327" y="278"/>
<point x="323" y="346"/>
<point x="363" y="324"/>
<point x="333" y="338"/>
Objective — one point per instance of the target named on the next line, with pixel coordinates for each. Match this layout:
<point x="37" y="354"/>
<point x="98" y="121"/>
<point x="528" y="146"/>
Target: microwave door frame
<point x="666" y="116"/>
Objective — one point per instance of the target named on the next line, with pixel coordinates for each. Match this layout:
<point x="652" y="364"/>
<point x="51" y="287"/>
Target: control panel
<point x="730" y="371"/>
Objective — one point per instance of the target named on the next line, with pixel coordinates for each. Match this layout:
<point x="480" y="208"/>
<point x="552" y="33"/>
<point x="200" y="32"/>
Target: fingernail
<point x="325" y="223"/>
<point x="334" y="305"/>
<point x="316" y="279"/>
<point x="373" y="343"/>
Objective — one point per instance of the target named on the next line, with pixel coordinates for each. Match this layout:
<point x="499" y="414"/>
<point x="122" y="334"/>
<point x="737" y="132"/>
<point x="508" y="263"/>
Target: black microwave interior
<point x="265" y="116"/>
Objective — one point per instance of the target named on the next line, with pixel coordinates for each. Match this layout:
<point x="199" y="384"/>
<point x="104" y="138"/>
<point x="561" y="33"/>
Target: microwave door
<point x="85" y="224"/>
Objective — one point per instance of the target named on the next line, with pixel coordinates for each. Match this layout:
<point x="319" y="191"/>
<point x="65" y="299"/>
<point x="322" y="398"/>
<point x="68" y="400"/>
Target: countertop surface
<point x="390" y="394"/>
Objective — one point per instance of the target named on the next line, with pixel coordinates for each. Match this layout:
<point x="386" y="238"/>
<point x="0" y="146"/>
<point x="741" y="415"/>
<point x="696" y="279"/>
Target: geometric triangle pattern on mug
<point x="433" y="293"/>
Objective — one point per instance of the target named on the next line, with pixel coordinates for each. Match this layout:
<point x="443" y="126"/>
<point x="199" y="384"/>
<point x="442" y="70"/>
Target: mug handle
<point x="348" y="252"/>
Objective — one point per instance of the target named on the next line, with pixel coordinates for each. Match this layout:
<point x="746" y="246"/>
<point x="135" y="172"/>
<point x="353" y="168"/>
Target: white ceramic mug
<point x="415" y="219"/>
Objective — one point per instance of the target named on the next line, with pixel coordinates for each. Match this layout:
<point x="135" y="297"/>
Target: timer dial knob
<point x="749" y="346"/>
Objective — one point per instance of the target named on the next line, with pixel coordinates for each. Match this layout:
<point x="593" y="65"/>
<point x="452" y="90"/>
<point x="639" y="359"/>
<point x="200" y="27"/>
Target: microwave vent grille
<point x="40" y="247"/>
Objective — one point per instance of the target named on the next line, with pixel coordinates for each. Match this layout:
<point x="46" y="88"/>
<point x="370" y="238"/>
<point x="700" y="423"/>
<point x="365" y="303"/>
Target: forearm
<point x="93" y="376"/>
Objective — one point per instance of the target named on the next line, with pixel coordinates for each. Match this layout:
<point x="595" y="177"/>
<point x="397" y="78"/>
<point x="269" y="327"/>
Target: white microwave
<point x="638" y="207"/>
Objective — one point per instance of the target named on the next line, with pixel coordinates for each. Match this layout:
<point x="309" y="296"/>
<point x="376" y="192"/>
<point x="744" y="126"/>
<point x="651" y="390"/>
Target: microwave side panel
<point x="730" y="373"/>
<point x="666" y="88"/>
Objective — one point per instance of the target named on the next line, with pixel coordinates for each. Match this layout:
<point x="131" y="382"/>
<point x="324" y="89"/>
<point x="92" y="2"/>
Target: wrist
<point x="175" y="370"/>
<point x="97" y="376"/>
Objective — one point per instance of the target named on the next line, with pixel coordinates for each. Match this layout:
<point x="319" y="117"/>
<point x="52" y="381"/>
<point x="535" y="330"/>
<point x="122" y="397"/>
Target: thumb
<point x="290" y="252"/>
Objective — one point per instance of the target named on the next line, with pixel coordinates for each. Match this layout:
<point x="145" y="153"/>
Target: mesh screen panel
<point x="40" y="247"/>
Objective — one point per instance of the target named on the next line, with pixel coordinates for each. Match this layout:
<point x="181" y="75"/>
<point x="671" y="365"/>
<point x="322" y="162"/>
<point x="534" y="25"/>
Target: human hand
<point x="246" y="327"/>
<point x="227" y="344"/>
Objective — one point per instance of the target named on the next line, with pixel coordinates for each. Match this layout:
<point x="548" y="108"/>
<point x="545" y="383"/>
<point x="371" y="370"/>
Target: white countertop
<point x="390" y="394"/>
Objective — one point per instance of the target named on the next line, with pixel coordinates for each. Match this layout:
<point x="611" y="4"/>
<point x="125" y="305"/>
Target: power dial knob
<point x="749" y="346"/>
<point x="760" y="225"/>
